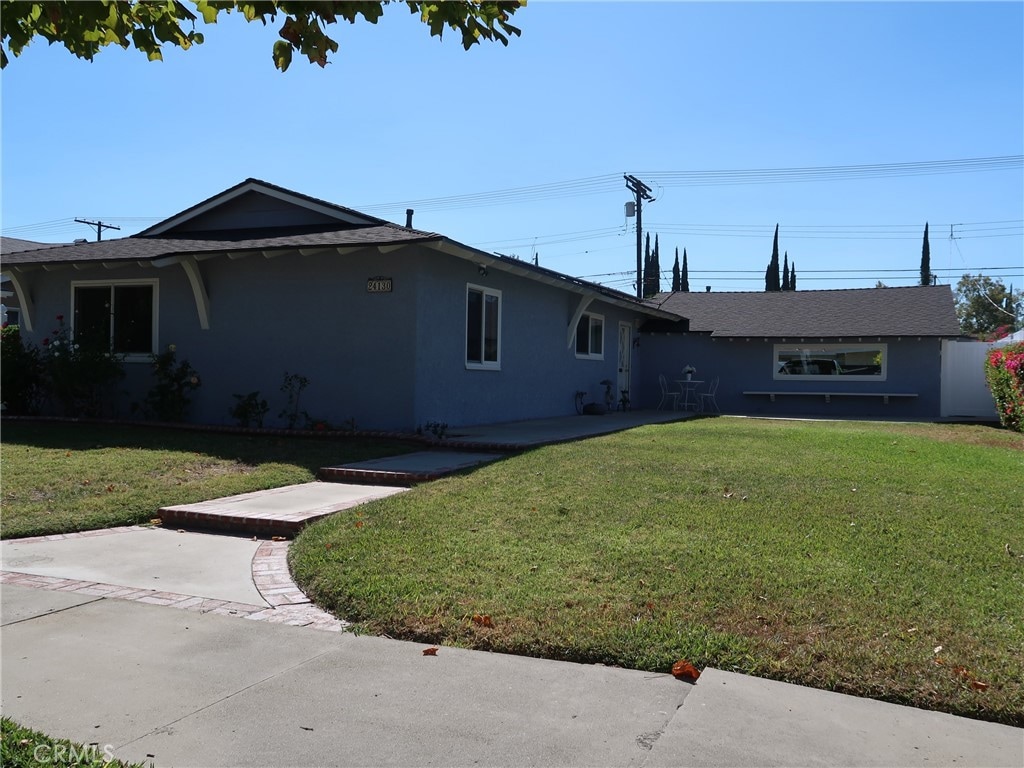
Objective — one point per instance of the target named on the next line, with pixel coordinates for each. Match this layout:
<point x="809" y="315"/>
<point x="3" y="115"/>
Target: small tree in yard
<point x="1004" y="372"/>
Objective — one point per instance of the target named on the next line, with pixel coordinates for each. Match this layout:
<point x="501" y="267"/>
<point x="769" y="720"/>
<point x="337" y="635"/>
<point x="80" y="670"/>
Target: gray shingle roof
<point x="149" y="248"/>
<point x="911" y="311"/>
<point x="15" y="244"/>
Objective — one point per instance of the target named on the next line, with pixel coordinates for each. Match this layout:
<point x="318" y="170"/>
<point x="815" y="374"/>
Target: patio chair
<point x="667" y="395"/>
<point x="706" y="400"/>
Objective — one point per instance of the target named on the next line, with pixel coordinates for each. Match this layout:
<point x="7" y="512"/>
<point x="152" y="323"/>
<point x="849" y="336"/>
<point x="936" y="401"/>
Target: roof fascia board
<point x="565" y="283"/>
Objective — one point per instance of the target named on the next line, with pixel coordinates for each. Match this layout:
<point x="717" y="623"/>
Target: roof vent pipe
<point x="707" y="289"/>
<point x="408" y="218"/>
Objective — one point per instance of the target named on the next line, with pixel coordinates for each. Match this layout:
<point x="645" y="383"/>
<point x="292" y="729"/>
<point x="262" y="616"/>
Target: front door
<point x="625" y="355"/>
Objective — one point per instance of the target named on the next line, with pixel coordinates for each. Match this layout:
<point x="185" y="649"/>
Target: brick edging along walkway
<point x="270" y="574"/>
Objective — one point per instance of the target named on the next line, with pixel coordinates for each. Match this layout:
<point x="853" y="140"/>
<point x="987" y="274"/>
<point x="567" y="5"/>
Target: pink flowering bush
<point x="1004" y="372"/>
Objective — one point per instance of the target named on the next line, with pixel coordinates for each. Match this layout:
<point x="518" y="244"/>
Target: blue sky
<point x="590" y="91"/>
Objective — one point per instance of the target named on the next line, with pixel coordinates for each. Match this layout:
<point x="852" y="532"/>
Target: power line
<point x="591" y="185"/>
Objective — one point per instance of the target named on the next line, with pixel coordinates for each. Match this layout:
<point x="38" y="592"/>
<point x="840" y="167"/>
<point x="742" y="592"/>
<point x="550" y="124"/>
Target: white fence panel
<point x="965" y="394"/>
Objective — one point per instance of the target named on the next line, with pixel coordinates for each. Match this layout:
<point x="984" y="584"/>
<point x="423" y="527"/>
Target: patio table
<point x="689" y="387"/>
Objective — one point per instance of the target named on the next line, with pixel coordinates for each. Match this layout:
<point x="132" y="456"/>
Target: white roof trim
<point x="255" y="186"/>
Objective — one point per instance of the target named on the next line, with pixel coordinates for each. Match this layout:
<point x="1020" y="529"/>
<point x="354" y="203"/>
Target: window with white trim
<point x="590" y="337"/>
<point x="813" y="362"/>
<point x="483" y="328"/>
<point x="119" y="315"/>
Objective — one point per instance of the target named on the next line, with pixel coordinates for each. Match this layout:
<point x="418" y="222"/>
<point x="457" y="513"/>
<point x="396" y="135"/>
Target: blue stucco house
<point x="393" y="327"/>
<point x="867" y="353"/>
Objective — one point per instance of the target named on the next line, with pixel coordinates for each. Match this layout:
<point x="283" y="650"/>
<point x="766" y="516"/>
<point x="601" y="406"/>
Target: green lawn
<point x="874" y="559"/>
<point x="57" y="478"/>
<point x="22" y="747"/>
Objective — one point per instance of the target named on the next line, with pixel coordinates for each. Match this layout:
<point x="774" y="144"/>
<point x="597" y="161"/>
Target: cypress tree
<point x="675" y="273"/>
<point x="774" y="282"/>
<point x="684" y="278"/>
<point x="646" y="282"/>
<point x="926" y="259"/>
<point x="768" y="277"/>
<point x="792" y="276"/>
<point x="785" y="272"/>
<point x="656" y="269"/>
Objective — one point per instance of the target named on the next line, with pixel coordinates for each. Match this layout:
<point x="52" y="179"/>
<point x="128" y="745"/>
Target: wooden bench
<point x="829" y="395"/>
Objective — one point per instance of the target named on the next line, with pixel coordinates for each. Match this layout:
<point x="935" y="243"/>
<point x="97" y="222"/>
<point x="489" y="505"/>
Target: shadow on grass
<point x="308" y="451"/>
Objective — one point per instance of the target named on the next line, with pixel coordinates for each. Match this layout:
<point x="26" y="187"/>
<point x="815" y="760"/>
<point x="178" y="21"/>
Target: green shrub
<point x="168" y="399"/>
<point x="80" y="376"/>
<point x="1004" y="372"/>
<point x="21" y="373"/>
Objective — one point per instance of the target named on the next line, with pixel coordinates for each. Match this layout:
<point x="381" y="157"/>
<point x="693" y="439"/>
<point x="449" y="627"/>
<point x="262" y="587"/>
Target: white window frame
<point x="131" y="357"/>
<point x="482" y="365"/>
<point x="591" y="319"/>
<point x="827" y="351"/>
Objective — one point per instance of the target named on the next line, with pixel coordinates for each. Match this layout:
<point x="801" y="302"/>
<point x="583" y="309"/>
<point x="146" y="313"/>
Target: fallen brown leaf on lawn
<point x="431" y="651"/>
<point x="279" y="538"/>
<point x="483" y="621"/>
<point x="359" y="523"/>
<point x="684" y="670"/>
<point x="110" y="488"/>
<point x="87" y="482"/>
<point x="978" y="685"/>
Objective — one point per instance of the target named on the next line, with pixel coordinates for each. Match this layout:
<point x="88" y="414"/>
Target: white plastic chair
<point x="707" y="400"/>
<point x="667" y="394"/>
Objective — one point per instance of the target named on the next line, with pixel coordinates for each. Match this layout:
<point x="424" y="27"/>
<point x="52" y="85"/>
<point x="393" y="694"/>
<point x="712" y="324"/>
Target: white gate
<point x="965" y="394"/>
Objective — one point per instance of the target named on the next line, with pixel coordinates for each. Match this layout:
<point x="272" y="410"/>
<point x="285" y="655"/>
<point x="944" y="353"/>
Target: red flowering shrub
<point x="1004" y="372"/>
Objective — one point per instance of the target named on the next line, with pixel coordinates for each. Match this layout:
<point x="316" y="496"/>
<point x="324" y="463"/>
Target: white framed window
<point x="119" y="315"/>
<point x="590" y="337"/>
<point x="483" y="328"/>
<point x="814" y="362"/>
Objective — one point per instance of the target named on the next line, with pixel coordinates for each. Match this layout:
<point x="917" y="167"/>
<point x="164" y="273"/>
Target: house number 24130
<point x="378" y="285"/>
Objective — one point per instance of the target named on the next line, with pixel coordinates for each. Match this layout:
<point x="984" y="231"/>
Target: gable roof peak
<point x="322" y="209"/>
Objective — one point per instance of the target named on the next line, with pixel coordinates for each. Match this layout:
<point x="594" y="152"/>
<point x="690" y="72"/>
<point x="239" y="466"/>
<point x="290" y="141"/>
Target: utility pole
<point x="642" y="192"/>
<point x="100" y="226"/>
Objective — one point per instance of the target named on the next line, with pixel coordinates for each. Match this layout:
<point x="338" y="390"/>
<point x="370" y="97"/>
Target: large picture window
<point x="119" y="316"/>
<point x="590" y="337"/>
<point x="813" y="362"/>
<point x="483" y="328"/>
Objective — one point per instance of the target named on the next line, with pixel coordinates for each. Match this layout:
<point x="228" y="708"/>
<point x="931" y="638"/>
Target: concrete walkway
<point x="200" y="689"/>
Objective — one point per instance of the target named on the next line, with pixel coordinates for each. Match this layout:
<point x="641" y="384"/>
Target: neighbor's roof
<point x="15" y="244"/>
<point x="912" y="311"/>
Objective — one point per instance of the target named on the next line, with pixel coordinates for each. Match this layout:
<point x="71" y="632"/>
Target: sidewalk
<point x="200" y="689"/>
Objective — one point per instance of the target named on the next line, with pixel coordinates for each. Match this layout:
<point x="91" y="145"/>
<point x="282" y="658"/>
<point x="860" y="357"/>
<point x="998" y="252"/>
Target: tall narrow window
<point x="118" y="317"/>
<point x="483" y="328"/>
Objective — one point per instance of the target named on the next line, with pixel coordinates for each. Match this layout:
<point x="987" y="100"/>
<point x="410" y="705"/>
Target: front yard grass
<point x="57" y="478"/>
<point x="880" y="560"/>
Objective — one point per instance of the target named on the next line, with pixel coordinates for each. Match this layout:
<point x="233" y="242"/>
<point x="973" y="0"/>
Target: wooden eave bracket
<point x="195" y="279"/>
<point x="585" y="301"/>
<point x="24" y="300"/>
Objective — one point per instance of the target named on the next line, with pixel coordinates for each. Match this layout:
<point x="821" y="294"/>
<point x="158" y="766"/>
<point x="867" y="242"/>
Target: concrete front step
<point x="408" y="469"/>
<point x="274" y="512"/>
